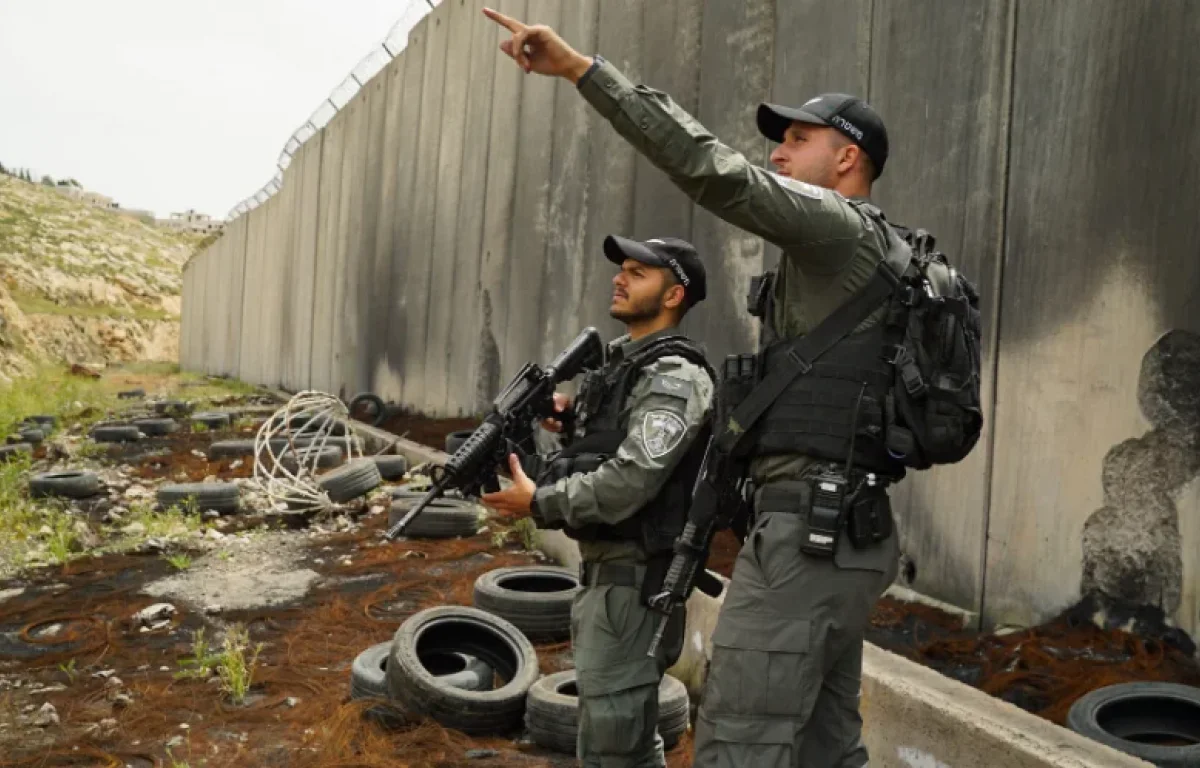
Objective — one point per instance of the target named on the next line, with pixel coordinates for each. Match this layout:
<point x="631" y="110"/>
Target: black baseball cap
<point x="849" y="115"/>
<point x="671" y="253"/>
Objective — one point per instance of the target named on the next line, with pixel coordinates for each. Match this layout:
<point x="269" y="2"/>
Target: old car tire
<point x="131" y="394"/>
<point x="71" y="484"/>
<point x="212" y="419"/>
<point x="1137" y="718"/>
<point x="368" y="677"/>
<point x="8" y="451"/>
<point x="116" y="433"/>
<point x="391" y="467"/>
<point x="219" y="497"/>
<point x="552" y="711"/>
<point x="442" y="519"/>
<point x="464" y="630"/>
<point x="173" y="408"/>
<point x="351" y="481"/>
<point x="372" y="408"/>
<point x="156" y="427"/>
<point x="45" y="421"/>
<point x="31" y="435"/>
<point x="329" y="456"/>
<point x="454" y="440"/>
<point x="535" y="598"/>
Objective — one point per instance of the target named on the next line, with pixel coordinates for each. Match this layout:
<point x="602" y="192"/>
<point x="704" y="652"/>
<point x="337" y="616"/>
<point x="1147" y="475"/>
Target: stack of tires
<point x="476" y="670"/>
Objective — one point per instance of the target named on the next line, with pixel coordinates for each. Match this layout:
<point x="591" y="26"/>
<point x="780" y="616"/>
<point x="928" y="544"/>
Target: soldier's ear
<point x="848" y="156"/>
<point x="674" y="297"/>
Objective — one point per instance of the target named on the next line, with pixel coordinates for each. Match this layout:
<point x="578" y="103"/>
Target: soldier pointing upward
<point x="784" y="682"/>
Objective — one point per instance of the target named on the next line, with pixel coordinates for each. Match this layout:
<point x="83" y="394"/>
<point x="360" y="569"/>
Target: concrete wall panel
<point x="408" y="150"/>
<point x="527" y="288"/>
<point x="346" y="333"/>
<point x="449" y="310"/>
<point x="420" y="210"/>
<point x="328" y="234"/>
<point x="735" y="76"/>
<point x="946" y="106"/>
<point x="575" y="126"/>
<point x="463" y="393"/>
<point x="278" y="254"/>
<point x="378" y="319"/>
<point x="249" y="366"/>
<point x="234" y="268"/>
<point x="670" y="63"/>
<point x="612" y="168"/>
<point x="301" y="269"/>
<point x="498" y="212"/>
<point x="1100" y="260"/>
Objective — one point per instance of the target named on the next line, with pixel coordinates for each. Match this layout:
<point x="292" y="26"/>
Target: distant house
<point x="191" y="221"/>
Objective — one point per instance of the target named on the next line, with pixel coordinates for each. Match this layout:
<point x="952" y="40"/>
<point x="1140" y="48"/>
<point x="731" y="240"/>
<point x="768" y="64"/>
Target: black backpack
<point x="933" y="337"/>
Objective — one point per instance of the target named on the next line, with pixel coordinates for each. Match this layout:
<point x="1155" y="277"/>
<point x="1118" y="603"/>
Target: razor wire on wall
<point x="367" y="67"/>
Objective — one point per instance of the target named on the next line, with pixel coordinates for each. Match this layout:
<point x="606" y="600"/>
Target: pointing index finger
<point x="512" y="25"/>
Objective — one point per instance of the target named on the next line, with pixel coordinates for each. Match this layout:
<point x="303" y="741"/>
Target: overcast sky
<point x="169" y="105"/>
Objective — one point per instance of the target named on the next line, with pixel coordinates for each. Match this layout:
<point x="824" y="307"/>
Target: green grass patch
<point x="53" y="390"/>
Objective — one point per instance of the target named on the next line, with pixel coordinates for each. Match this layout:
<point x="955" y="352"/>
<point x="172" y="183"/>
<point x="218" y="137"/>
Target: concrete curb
<point x="915" y="717"/>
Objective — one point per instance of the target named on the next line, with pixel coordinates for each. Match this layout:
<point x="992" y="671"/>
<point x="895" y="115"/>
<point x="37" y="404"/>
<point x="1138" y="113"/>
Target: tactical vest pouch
<point x="739" y="375"/>
<point x="933" y="341"/>
<point x="868" y="516"/>
<point x="759" y="296"/>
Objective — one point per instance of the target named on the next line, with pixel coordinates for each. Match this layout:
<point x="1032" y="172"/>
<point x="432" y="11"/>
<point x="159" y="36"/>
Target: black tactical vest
<point x="847" y="393"/>
<point x="603" y="419"/>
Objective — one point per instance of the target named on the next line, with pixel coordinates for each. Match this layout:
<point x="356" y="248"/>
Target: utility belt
<point x="830" y="502"/>
<point x="646" y="577"/>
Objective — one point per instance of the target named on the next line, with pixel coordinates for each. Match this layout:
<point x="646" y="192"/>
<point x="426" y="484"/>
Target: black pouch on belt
<point x="869" y="516"/>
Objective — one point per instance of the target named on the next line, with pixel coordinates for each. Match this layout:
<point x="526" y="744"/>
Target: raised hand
<point x="538" y="49"/>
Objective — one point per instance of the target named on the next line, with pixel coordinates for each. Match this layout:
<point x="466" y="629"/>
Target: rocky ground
<point x="81" y="284"/>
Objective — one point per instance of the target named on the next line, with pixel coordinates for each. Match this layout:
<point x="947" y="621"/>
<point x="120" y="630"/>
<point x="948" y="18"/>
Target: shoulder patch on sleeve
<point x="800" y="187"/>
<point x="661" y="432"/>
<point x="672" y="386"/>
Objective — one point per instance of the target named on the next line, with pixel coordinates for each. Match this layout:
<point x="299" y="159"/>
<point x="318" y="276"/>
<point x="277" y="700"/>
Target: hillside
<point x="81" y="284"/>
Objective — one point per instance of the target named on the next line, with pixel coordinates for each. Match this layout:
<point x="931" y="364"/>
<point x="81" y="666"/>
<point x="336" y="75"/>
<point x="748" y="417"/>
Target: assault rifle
<point x="509" y="425"/>
<point x="718" y="499"/>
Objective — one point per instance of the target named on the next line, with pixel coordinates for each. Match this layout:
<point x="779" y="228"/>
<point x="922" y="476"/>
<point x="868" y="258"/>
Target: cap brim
<point x="774" y="119"/>
<point x="617" y="249"/>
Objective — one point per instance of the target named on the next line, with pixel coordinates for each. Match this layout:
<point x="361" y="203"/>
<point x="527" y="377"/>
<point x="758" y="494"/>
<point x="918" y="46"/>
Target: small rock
<point x="8" y="594"/>
<point x="480" y="754"/>
<point x="108" y="725"/>
<point x="164" y="668"/>
<point x="211" y="514"/>
<point x="153" y="546"/>
<point x="45" y="530"/>
<point x="236" y="464"/>
<point x="104" y="673"/>
<point x="345" y="561"/>
<point x="49" y="689"/>
<point x="319" y="560"/>
<point x="144" y="668"/>
<point x="214" y="534"/>
<point x="199" y="454"/>
<point x="174" y="741"/>
<point x="292" y="701"/>
<point x="85" y="536"/>
<point x="121" y="699"/>
<point x="373" y="511"/>
<point x="210" y="479"/>
<point x="134" y="529"/>
<point x="160" y="625"/>
<point x="184" y="726"/>
<point x="154" y="613"/>
<point x="138" y="492"/>
<point x="212" y="609"/>
<point x="46" y="716"/>
<point x="113" y="682"/>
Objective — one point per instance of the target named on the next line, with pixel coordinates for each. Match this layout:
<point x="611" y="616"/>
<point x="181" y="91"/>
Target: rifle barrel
<point x="438" y="488"/>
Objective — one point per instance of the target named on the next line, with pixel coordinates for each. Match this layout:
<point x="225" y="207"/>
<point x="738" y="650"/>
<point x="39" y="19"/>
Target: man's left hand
<point x="513" y="501"/>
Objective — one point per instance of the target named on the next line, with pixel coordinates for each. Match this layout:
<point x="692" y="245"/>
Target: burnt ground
<point x="66" y="632"/>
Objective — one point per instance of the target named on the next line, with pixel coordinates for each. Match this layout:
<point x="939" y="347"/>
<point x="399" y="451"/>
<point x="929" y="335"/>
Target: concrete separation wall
<point x="445" y="227"/>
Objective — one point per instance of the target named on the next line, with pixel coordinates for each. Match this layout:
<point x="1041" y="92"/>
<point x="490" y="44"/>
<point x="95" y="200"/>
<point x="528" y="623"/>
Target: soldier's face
<point x="809" y="153"/>
<point x="638" y="292"/>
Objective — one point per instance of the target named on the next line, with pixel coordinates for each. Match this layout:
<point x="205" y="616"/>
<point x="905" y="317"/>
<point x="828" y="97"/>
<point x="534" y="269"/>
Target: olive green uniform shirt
<point x="667" y="406"/>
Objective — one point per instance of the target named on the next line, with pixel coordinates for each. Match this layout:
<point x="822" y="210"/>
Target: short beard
<point x="647" y="310"/>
